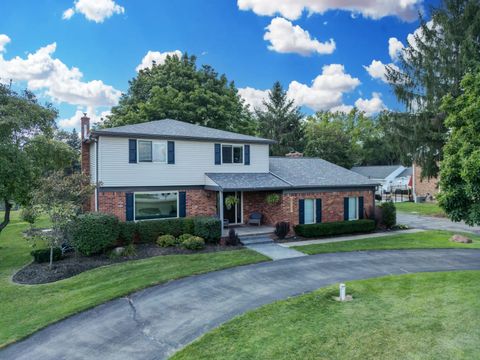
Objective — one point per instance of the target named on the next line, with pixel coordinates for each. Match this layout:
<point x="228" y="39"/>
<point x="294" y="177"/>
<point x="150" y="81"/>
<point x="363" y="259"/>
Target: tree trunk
<point x="6" y="216"/>
<point x="51" y="256"/>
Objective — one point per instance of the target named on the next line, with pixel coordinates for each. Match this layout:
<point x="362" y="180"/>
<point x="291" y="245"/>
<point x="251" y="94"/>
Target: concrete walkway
<point x="348" y="238"/>
<point x="275" y="251"/>
<point x="434" y="223"/>
<point x="156" y="322"/>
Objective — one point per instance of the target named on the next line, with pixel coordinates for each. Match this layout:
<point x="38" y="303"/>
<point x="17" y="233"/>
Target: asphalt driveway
<point x="434" y="223"/>
<point x="156" y="322"/>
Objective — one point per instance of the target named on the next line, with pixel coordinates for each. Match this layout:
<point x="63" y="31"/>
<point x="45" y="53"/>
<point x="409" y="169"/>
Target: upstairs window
<point x="152" y="151"/>
<point x="232" y="154"/>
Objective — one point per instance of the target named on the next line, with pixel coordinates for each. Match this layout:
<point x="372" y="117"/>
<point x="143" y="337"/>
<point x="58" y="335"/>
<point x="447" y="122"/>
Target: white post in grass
<point x="343" y="290"/>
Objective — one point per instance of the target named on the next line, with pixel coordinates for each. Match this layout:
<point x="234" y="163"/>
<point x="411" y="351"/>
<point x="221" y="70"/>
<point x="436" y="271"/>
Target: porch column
<point x="220" y="200"/>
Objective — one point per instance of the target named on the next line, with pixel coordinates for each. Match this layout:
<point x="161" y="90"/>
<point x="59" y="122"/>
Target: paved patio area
<point x="249" y="230"/>
<point x="434" y="223"/>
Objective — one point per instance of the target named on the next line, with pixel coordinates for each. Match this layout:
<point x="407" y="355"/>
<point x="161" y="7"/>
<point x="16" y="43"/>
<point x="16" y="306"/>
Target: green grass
<point x="428" y="209"/>
<point x="416" y="316"/>
<point x="434" y="239"/>
<point x="27" y="308"/>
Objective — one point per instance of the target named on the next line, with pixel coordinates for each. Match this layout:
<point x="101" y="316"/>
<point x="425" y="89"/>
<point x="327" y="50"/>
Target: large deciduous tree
<point x="280" y="121"/>
<point x="460" y="168"/>
<point x="21" y="119"/>
<point x="178" y="89"/>
<point x="438" y="55"/>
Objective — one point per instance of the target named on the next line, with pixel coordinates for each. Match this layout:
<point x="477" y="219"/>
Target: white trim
<point x="156" y="192"/>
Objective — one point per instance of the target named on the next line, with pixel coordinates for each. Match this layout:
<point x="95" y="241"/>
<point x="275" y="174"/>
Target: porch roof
<point x="244" y="182"/>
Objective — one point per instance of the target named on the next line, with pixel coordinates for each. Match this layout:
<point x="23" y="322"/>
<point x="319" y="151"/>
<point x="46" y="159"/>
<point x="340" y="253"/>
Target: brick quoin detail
<point x="287" y="208"/>
<point x="113" y="203"/>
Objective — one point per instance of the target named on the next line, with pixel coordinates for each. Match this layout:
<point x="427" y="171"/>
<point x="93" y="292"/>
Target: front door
<point x="232" y="211"/>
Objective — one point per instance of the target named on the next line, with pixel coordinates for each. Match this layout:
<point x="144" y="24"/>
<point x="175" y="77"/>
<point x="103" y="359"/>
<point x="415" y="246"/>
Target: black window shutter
<point x="129" y="207"/>
<point x="132" y="151"/>
<point x="345" y="208"/>
<point x="171" y="152"/>
<point x="182" y="203"/>
<point x="247" y="154"/>
<point x="218" y="160"/>
<point x="318" y="210"/>
<point x="360" y="207"/>
<point x="301" y="211"/>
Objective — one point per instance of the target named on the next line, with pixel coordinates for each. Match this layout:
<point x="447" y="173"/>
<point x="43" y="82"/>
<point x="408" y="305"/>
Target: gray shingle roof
<point x="313" y="172"/>
<point x="375" y="172"/>
<point x="174" y="129"/>
<point x="247" y="181"/>
<point x="407" y="172"/>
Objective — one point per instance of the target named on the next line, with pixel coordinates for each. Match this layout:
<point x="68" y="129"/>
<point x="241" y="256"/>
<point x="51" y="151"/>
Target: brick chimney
<point x="85" y="134"/>
<point x="294" y="154"/>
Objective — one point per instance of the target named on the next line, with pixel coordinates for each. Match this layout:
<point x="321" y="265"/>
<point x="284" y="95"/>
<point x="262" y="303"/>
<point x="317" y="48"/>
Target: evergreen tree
<point x="432" y="65"/>
<point x="177" y="89"/>
<point x="280" y="121"/>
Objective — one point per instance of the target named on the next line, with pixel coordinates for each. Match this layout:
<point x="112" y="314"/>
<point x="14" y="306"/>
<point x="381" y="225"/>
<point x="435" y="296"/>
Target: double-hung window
<point x="232" y="154"/>
<point x="152" y="151"/>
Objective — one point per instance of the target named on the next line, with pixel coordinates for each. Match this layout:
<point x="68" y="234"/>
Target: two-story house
<point x="168" y="168"/>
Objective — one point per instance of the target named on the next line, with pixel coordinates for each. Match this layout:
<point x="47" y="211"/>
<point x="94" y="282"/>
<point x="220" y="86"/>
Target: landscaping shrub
<point x="209" y="228"/>
<point x="43" y="255"/>
<point x="128" y="232"/>
<point x="389" y="214"/>
<point x="183" y="237"/>
<point x="232" y="239"/>
<point x="149" y="231"/>
<point x="193" y="243"/>
<point x="335" y="228"/>
<point x="167" y="241"/>
<point x="282" y="229"/>
<point x="93" y="233"/>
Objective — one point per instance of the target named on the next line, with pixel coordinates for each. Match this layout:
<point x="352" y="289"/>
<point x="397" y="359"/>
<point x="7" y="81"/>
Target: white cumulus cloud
<point x="292" y="9"/>
<point x="285" y="37"/>
<point x="156" y="56"/>
<point x="327" y="89"/>
<point x="371" y="106"/>
<point x="74" y="120"/>
<point x="395" y="48"/>
<point x="4" y="40"/>
<point x="94" y="10"/>
<point x="42" y="72"/>
<point x="377" y="70"/>
<point x="254" y="97"/>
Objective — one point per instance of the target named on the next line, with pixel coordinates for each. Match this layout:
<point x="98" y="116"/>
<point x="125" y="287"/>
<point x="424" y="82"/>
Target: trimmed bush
<point x="167" y="241"/>
<point x="128" y="232"/>
<point x="281" y="229"/>
<point x="93" y="233"/>
<point x="232" y="239"/>
<point x="150" y="230"/>
<point x="389" y="214"/>
<point x="208" y="228"/>
<point x="193" y="243"/>
<point x="335" y="228"/>
<point x="183" y="237"/>
<point x="43" y="255"/>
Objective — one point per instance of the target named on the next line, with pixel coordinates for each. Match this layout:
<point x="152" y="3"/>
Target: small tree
<point x="61" y="198"/>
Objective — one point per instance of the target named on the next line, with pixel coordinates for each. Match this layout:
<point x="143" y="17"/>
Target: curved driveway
<point x="156" y="322"/>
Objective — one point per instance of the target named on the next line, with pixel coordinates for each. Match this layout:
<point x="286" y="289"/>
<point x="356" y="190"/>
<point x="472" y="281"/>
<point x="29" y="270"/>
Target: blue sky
<point x="81" y="54"/>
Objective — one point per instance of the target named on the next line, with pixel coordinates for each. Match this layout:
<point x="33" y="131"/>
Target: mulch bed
<point x="72" y="264"/>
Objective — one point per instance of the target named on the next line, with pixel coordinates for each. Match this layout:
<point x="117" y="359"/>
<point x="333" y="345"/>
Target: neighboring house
<point x="423" y="188"/>
<point x="390" y="177"/>
<point x="168" y="168"/>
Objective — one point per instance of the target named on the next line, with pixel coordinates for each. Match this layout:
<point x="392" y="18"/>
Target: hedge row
<point x="335" y="228"/>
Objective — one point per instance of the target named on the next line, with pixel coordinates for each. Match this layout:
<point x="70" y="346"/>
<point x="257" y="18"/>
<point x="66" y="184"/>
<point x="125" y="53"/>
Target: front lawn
<point x="27" y="308"/>
<point x="427" y="209"/>
<point x="434" y="239"/>
<point x="415" y="316"/>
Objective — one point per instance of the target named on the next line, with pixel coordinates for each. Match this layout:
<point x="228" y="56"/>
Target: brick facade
<point x="287" y="208"/>
<point x="89" y="205"/>
<point x="201" y="202"/>
<point x="424" y="187"/>
<point x="113" y="203"/>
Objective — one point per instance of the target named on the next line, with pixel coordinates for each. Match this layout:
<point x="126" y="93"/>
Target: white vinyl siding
<point x="353" y="208"/>
<point x="192" y="160"/>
